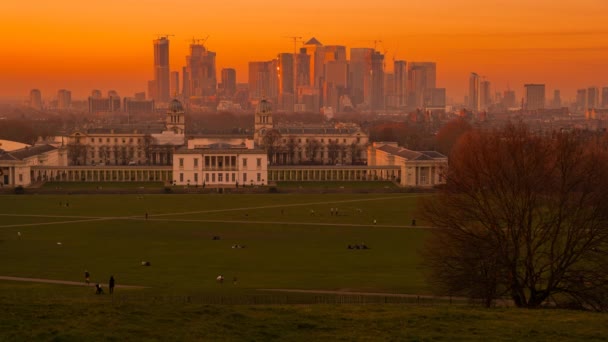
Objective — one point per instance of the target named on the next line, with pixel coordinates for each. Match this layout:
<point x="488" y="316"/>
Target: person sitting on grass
<point x="98" y="289"/>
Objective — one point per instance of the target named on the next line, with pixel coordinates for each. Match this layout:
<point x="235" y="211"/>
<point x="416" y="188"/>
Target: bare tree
<point x="523" y="216"/>
<point x="312" y="148"/>
<point x="272" y="143"/>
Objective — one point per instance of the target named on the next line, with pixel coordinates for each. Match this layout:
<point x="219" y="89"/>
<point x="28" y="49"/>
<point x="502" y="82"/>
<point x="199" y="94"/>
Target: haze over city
<point x="82" y="46"/>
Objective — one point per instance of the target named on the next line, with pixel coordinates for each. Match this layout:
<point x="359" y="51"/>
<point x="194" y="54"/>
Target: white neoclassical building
<point x="220" y="163"/>
<point x="416" y="168"/>
<point x="16" y="166"/>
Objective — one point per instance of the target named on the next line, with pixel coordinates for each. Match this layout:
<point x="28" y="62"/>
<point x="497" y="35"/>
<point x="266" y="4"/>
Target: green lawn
<point x="287" y="246"/>
<point x="339" y="185"/>
<point x="104" y="185"/>
<point x="292" y="242"/>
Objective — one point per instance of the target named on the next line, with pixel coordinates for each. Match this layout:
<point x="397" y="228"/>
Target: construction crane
<point x="198" y="41"/>
<point x="375" y="41"/>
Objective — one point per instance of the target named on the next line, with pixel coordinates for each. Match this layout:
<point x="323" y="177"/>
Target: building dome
<point x="264" y="106"/>
<point x="175" y="106"/>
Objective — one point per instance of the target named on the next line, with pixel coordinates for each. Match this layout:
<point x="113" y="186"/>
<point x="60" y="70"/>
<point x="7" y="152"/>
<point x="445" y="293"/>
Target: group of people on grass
<point x="98" y="288"/>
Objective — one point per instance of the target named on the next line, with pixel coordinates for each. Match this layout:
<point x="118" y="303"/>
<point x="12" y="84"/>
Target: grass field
<point x="291" y="242"/>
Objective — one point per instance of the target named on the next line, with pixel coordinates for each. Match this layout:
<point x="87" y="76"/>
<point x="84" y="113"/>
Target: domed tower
<point x="263" y="120"/>
<point x="176" y="121"/>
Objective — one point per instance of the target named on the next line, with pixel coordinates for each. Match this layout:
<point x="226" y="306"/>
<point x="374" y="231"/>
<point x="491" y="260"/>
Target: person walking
<point x="111" y="284"/>
<point x="87" y="277"/>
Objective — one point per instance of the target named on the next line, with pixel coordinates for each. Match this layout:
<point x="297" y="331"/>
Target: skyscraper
<point x="64" y="99"/>
<point x="200" y="66"/>
<point x="474" y="93"/>
<point x="593" y="97"/>
<point x="161" y="69"/>
<point x="263" y="80"/>
<point x="400" y="79"/>
<point x="581" y="99"/>
<point x="36" y="99"/>
<point x="360" y="75"/>
<point x="377" y="81"/>
<point x="174" y="83"/>
<point x="508" y="100"/>
<point x="303" y="68"/>
<point x="228" y="82"/>
<point x="605" y="97"/>
<point x="286" y="81"/>
<point x="485" y="97"/>
<point x="535" y="96"/>
<point x="557" y="100"/>
<point x="316" y="51"/>
<point x="420" y="76"/>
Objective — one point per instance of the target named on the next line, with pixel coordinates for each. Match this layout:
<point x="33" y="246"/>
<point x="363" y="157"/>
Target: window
<point x="213" y="177"/>
<point x="130" y="140"/>
<point x="259" y="176"/>
<point x="227" y="177"/>
<point x="233" y="177"/>
<point x="181" y="162"/>
<point x="107" y="140"/>
<point x="299" y="140"/>
<point x="207" y="161"/>
<point x="244" y="177"/>
<point x="124" y="140"/>
<point x="115" y="140"/>
<point x="206" y="177"/>
<point x="259" y="162"/>
<point x="99" y="140"/>
<point x="219" y="178"/>
<point x="344" y="141"/>
<point x="138" y="140"/>
<point x="195" y="177"/>
<point x="195" y="162"/>
<point x="92" y="140"/>
<point x="20" y="178"/>
<point x="181" y="177"/>
<point x="244" y="162"/>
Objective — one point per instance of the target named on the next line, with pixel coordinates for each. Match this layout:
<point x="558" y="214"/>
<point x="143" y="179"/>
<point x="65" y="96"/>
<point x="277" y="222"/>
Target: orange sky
<point x="84" y="45"/>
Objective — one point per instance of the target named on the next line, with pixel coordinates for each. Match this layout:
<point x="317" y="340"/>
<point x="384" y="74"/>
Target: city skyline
<point x="70" y="45"/>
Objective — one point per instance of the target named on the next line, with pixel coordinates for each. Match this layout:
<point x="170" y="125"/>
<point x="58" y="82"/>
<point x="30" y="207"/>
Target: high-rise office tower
<point x="336" y="83"/>
<point x="303" y="68"/>
<point x="286" y="81"/>
<point x="605" y="97"/>
<point x="420" y="76"/>
<point x="200" y="66"/>
<point x="535" y="96"/>
<point x="228" y="82"/>
<point x="474" y="92"/>
<point x="557" y="99"/>
<point x="508" y="99"/>
<point x="185" y="84"/>
<point x="263" y="80"/>
<point x="174" y="83"/>
<point x="360" y="75"/>
<point x="316" y="51"/>
<point x="593" y="97"/>
<point x="161" y="69"/>
<point x="64" y="99"/>
<point x="581" y="99"/>
<point x="36" y="99"/>
<point x="400" y="79"/>
<point x="377" y="81"/>
<point x="485" y="97"/>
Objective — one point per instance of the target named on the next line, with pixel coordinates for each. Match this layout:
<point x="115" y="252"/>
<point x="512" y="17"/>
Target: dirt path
<point x="65" y="282"/>
<point x="348" y="293"/>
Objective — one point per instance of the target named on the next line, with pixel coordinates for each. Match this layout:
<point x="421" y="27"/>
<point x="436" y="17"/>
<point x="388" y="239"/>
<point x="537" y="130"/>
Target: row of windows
<point x="322" y="140"/>
<point x="227" y="161"/>
<point x="221" y="178"/>
<point x="116" y="140"/>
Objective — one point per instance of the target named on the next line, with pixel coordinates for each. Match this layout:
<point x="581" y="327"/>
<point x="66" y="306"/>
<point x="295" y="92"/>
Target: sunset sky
<point x="84" y="45"/>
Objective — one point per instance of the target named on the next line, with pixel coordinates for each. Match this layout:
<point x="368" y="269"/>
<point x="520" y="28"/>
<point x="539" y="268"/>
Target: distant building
<point x="474" y="92"/>
<point x="174" y="83"/>
<point x="420" y="76"/>
<point x="200" y="72"/>
<point x="138" y="105"/>
<point x="308" y="144"/>
<point x="593" y="97"/>
<point x="36" y="99"/>
<point x="15" y="166"/>
<point x="417" y="168"/>
<point x="535" y="96"/>
<point x="104" y="104"/>
<point x="228" y="82"/>
<point x="263" y="80"/>
<point x="220" y="164"/>
<point x="400" y="83"/>
<point x="64" y="99"/>
<point x="161" y="70"/>
<point x="605" y="97"/>
<point x="557" y="100"/>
